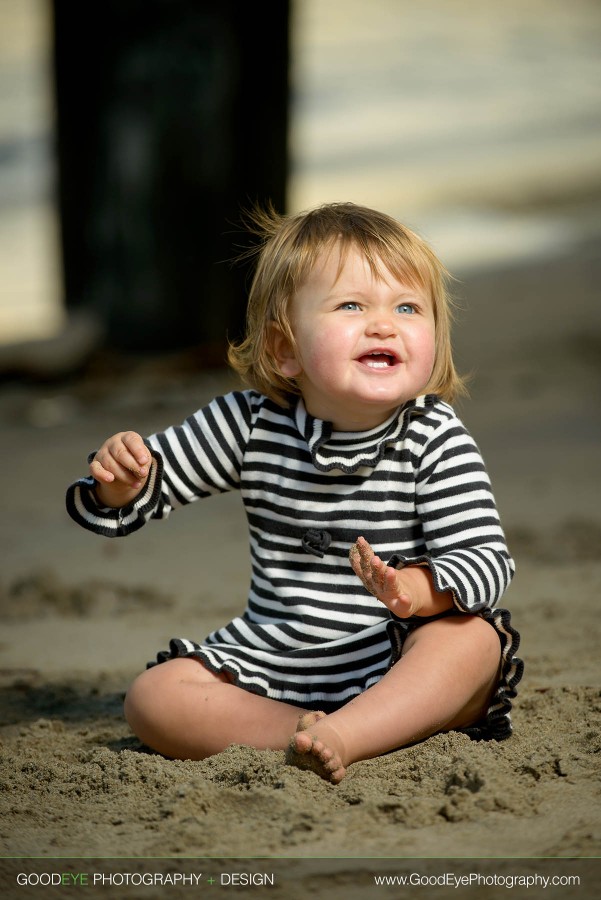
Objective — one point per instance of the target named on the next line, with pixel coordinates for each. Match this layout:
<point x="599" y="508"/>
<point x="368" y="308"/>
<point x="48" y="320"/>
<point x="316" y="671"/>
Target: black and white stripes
<point x="415" y="487"/>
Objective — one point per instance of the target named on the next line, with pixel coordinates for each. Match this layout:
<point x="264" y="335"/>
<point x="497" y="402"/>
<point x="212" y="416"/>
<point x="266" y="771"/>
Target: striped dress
<point x="415" y="487"/>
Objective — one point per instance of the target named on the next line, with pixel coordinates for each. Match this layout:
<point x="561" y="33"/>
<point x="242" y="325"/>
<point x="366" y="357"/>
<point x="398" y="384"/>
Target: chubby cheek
<point x="316" y="362"/>
<point x="423" y="352"/>
<point x="322" y="355"/>
<point x="429" y="357"/>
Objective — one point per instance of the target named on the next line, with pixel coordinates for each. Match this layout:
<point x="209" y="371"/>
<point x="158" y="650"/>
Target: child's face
<point x="364" y="345"/>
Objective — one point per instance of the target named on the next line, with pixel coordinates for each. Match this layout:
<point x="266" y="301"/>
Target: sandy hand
<point x="381" y="580"/>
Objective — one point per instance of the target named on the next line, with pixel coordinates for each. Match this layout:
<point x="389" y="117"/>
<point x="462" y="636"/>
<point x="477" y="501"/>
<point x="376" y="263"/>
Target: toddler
<point x="377" y="552"/>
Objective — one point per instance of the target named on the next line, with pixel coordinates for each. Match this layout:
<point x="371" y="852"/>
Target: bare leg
<point x="444" y="680"/>
<point x="185" y="711"/>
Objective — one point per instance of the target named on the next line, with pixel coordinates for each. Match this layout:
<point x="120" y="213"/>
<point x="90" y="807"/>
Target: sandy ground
<point x="82" y="615"/>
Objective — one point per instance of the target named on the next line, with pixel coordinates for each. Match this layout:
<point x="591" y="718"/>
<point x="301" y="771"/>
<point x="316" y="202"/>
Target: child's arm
<point x="132" y="480"/>
<point x="120" y="468"/>
<point x="465" y="562"/>
<point x="465" y="552"/>
<point x="406" y="592"/>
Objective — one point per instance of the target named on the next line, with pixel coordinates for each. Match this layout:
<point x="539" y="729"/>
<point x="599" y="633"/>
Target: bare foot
<point x="306" y="751"/>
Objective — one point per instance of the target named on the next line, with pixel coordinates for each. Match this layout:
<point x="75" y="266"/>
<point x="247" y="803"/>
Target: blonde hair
<point x="289" y="249"/>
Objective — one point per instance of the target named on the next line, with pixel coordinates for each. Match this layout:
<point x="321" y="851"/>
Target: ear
<point x="284" y="353"/>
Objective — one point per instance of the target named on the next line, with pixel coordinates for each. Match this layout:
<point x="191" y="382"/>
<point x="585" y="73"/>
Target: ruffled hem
<point x="314" y="699"/>
<point x="496" y="724"/>
<point x="180" y="648"/>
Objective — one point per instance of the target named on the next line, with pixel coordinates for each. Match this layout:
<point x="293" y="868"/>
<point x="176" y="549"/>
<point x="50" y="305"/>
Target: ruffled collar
<point x="349" y="451"/>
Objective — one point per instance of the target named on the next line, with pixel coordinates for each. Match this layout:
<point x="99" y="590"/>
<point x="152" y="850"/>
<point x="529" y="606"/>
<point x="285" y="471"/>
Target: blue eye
<point x="349" y="305"/>
<point x="406" y="308"/>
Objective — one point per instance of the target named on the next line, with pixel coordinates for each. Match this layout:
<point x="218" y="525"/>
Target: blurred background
<point x="127" y="155"/>
<point x="133" y="133"/>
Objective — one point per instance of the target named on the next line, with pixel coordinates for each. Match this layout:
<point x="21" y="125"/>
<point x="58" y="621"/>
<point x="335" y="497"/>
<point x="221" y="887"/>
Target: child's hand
<point x="390" y="586"/>
<point x="120" y="467"/>
<point x="406" y="592"/>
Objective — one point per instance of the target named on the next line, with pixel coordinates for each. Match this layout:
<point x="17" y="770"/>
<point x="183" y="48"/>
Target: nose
<point x="381" y="324"/>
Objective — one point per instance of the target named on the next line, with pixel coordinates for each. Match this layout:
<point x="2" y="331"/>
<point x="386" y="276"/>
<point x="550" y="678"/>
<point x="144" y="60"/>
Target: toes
<point x="307" y="752"/>
<point x="302" y="742"/>
<point x="337" y="776"/>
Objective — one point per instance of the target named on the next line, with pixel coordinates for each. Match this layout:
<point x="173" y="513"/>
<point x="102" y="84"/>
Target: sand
<point x="82" y="615"/>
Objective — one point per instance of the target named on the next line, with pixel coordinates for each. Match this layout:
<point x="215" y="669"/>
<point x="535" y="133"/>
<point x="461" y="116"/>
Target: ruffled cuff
<point x="441" y="583"/>
<point x="83" y="506"/>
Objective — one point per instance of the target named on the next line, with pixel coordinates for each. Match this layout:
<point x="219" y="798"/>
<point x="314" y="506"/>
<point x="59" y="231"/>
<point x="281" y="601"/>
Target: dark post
<point x="171" y="117"/>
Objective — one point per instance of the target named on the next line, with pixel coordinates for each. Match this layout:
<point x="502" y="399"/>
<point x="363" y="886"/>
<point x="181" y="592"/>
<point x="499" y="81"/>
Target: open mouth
<point x="379" y="359"/>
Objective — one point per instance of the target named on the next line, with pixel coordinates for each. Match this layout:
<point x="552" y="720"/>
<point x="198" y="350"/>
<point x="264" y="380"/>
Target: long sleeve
<point x="466" y="549"/>
<point x="197" y="459"/>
